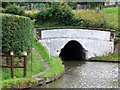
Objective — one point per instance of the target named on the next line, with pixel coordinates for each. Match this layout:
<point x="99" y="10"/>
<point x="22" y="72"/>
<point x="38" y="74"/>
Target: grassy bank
<point x="34" y="66"/>
<point x="91" y="15"/>
<point x="17" y="83"/>
<point x="111" y="16"/>
<point x="55" y="64"/>
<point x="112" y="57"/>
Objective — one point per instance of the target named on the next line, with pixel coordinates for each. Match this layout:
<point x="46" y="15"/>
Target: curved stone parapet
<point x="76" y="33"/>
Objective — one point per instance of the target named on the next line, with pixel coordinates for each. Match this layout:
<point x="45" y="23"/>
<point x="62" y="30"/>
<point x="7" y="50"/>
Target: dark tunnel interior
<point x="73" y="50"/>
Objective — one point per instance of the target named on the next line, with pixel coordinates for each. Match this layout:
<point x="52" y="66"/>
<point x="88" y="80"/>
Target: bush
<point x="80" y="22"/>
<point x="60" y="12"/>
<point x="32" y="15"/>
<point x="100" y="24"/>
<point x="2" y="10"/>
<point x="14" y="9"/>
<point x="116" y="41"/>
<point x="117" y="33"/>
<point x="44" y="15"/>
<point x="16" y="33"/>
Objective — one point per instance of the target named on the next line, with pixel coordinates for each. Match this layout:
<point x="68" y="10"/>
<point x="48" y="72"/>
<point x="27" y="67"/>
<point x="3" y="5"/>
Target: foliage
<point x="63" y="15"/>
<point x="44" y="15"/>
<point x="116" y="40"/>
<point x="39" y="5"/>
<point x="72" y="4"/>
<point x="79" y="22"/>
<point x="47" y="24"/>
<point x="118" y="34"/>
<point x="16" y="61"/>
<point x="60" y="12"/>
<point x="81" y="18"/>
<point x="2" y="10"/>
<point x="5" y="4"/>
<point x="16" y="33"/>
<point x="31" y="14"/>
<point x="14" y="9"/>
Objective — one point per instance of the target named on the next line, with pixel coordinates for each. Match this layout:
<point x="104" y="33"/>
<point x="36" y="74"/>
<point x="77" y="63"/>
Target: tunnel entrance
<point x="73" y="50"/>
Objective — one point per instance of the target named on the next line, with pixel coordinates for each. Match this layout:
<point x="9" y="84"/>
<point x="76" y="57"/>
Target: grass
<point x="36" y="68"/>
<point x="17" y="81"/>
<point x="111" y="16"/>
<point x="56" y="66"/>
<point x="91" y="15"/>
<point x="111" y="56"/>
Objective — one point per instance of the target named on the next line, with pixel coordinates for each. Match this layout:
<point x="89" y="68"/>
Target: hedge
<point x="16" y="33"/>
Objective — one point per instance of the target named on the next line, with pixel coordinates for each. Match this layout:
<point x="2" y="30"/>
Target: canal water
<point x="87" y="75"/>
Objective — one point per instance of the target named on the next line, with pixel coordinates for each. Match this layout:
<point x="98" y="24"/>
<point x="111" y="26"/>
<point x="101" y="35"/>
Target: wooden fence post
<point x="25" y="66"/>
<point x="12" y="64"/>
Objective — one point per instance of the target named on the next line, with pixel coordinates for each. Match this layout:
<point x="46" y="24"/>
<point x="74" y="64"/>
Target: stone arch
<point x="73" y="50"/>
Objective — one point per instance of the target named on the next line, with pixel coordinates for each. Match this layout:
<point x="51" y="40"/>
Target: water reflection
<point x="87" y="75"/>
<point x="73" y="64"/>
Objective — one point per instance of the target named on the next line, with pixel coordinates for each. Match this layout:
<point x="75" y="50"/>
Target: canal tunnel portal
<point x="67" y="43"/>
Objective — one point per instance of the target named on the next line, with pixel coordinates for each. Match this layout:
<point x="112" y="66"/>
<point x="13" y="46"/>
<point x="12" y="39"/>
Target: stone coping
<point x="100" y="29"/>
<point x="39" y="82"/>
<point x="44" y="81"/>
